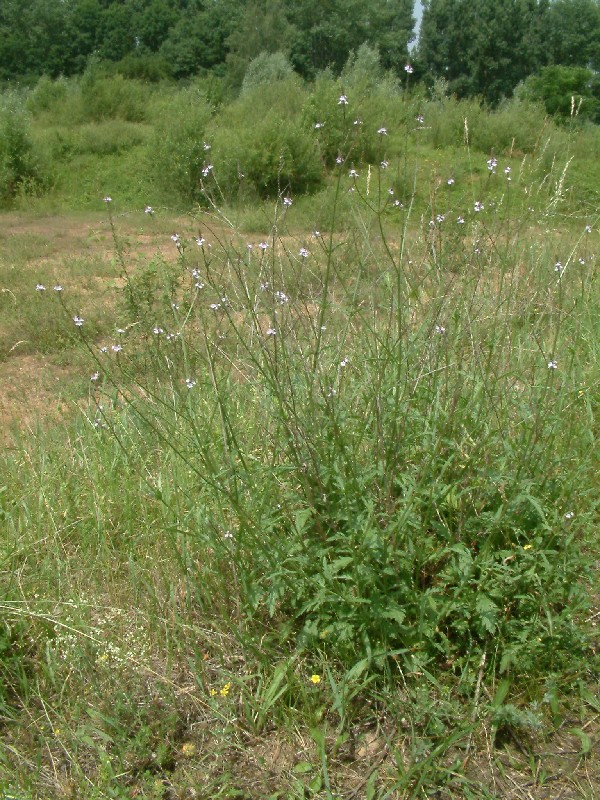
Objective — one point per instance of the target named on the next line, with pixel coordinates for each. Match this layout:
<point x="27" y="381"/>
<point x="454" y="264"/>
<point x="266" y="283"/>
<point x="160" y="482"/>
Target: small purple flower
<point x="304" y="252"/>
<point x="450" y="181"/>
<point x="558" y="267"/>
<point x="57" y="288"/>
<point x="478" y="206"/>
<point x="440" y="329"/>
<point x="206" y="147"/>
<point x="271" y="332"/>
<point x="408" y="69"/>
<point x="108" y="199"/>
<point x="200" y="241"/>
<point x="339" y="160"/>
<point x="420" y="119"/>
<point x="588" y="228"/>
<point x="207" y="170"/>
<point x="263" y="245"/>
<point x="287" y="201"/>
<point x="78" y="320"/>
<point x="157" y="331"/>
<point x="385" y="164"/>
<point x="382" y="132"/>
<point x="318" y="125"/>
<point x="190" y="383"/>
<point x="175" y="237"/>
<point x="492" y="164"/>
<point x="343" y="101"/>
<point x="116" y="348"/>
<point x="552" y="365"/>
<point x="149" y="210"/>
<point x="353" y="173"/>
<point x="95" y="377"/>
<point x="40" y="287"/>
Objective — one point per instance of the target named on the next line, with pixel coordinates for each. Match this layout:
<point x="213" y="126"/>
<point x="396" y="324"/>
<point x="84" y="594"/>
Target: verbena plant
<point x="373" y="440"/>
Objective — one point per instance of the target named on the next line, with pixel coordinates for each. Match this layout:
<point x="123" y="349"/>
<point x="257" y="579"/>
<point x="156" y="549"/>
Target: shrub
<point x="350" y="130"/>
<point x="177" y="153"/>
<point x="261" y="147"/>
<point x="565" y="92"/>
<point x="18" y="163"/>
<point x="105" y="138"/>
<point x="46" y="94"/>
<point x="113" y="97"/>
<point x="266" y="69"/>
<point x="149" y="67"/>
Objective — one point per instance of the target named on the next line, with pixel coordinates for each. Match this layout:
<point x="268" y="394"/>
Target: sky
<point x="418" y="12"/>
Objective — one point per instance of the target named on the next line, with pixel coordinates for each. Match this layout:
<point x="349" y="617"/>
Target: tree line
<point x="473" y="47"/>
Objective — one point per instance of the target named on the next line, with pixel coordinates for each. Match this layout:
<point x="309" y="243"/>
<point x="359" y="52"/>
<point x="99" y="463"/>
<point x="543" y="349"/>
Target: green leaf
<point x="589" y="698"/>
<point x="397" y="614"/>
<point x="501" y="692"/>
<point x="586" y="742"/>
<point x="370" y="789"/>
<point x="302" y="767"/>
<point x="339" y="564"/>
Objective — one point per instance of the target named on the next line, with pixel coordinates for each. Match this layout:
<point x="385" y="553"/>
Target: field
<point x="299" y="488"/>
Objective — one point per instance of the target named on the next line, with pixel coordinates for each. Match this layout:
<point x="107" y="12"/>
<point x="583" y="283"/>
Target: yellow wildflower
<point x="188" y="749"/>
<point x="315" y="679"/>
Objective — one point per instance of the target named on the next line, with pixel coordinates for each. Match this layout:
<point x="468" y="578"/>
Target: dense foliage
<point x="481" y="49"/>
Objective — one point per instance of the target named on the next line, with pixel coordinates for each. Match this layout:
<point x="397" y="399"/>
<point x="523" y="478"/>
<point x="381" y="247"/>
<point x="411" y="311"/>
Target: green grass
<point x="325" y="524"/>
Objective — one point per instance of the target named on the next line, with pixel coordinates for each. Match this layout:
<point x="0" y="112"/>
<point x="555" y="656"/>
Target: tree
<point x="484" y="48"/>
<point x="326" y="31"/>
<point x="262" y="28"/>
<point x="574" y="33"/>
<point x="566" y="91"/>
<point x="198" y="41"/>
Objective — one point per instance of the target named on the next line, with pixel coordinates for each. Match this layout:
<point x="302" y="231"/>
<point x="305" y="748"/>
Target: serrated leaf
<point x="397" y="614"/>
<point x="339" y="564"/>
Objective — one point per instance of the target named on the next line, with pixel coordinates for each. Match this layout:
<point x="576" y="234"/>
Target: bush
<point x="350" y="130"/>
<point x="261" y="147"/>
<point x="46" y="95"/>
<point x="149" y="67"/>
<point x="18" y="164"/>
<point x="112" y="98"/>
<point x="266" y="69"/>
<point x="515" y="126"/>
<point x="177" y="154"/>
<point x="106" y="138"/>
<point x="565" y="92"/>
